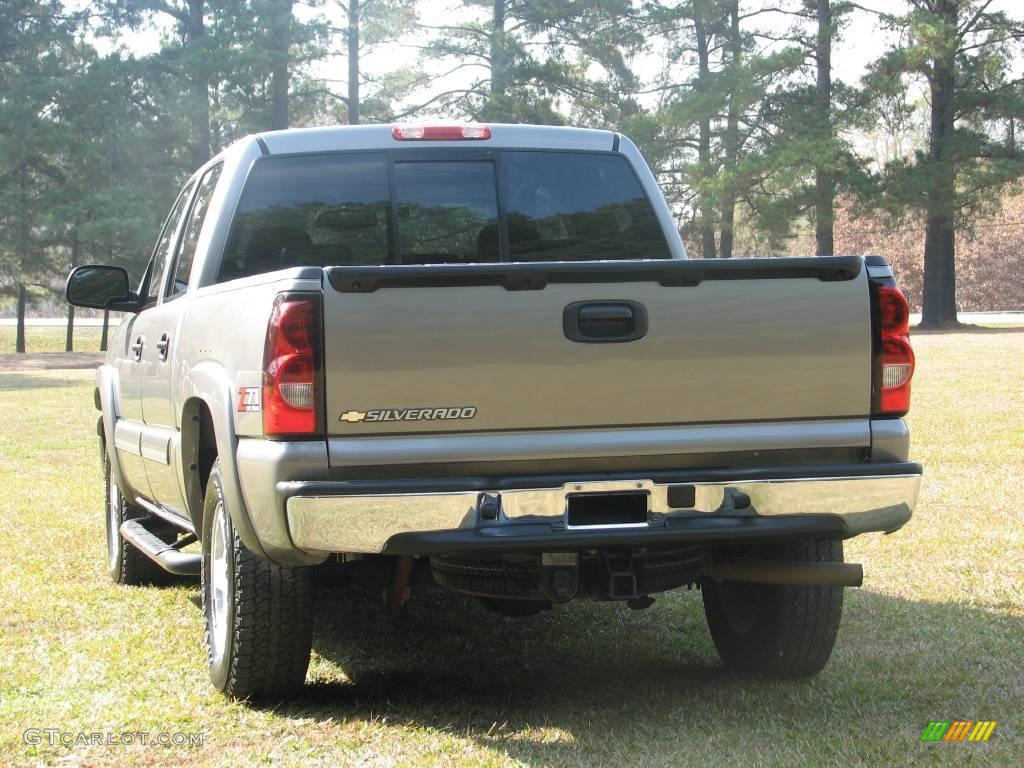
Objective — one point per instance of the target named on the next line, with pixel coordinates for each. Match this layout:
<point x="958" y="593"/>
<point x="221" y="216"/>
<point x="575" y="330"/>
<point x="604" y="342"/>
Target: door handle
<point x="162" y="345"/>
<point x="137" y="348"/>
<point x="595" y="322"/>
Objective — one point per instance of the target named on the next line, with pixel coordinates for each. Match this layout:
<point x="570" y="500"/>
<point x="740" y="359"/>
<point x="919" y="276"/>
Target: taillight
<point x="894" y="357"/>
<point x="440" y="132"/>
<point x="291" y="367"/>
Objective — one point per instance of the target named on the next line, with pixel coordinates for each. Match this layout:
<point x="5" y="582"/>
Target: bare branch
<point x="974" y="19"/>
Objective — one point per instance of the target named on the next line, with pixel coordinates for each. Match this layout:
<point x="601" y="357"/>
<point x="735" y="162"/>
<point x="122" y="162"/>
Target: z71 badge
<point x="248" y="399"/>
<point x="409" y="414"/>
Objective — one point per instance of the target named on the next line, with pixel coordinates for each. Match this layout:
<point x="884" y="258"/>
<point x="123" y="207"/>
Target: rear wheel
<point x="766" y="630"/>
<point x="259" y="616"/>
<point x="125" y="564"/>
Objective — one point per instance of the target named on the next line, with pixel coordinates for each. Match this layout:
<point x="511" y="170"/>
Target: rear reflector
<point x="440" y="132"/>
<point x="896" y="357"/>
<point x="291" y="366"/>
<point x="895" y="374"/>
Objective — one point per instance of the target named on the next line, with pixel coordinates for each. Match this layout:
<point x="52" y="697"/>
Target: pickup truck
<point x="477" y="356"/>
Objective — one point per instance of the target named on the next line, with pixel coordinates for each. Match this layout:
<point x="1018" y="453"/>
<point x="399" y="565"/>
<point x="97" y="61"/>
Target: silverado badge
<point x="409" y="414"/>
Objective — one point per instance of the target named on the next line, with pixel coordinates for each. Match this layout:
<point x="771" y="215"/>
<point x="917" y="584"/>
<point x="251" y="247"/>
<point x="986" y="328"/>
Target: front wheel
<point x="767" y="630"/>
<point x="259" y="616"/>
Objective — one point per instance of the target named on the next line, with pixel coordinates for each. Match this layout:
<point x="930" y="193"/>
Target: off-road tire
<point x="264" y="645"/>
<point x="125" y="564"/>
<point x="771" y="631"/>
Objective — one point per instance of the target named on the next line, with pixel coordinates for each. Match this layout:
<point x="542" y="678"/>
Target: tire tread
<point x="796" y="631"/>
<point x="271" y="633"/>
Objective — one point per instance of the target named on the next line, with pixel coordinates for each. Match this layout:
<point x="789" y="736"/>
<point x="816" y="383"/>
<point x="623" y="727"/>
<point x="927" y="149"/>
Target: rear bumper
<point x="418" y="517"/>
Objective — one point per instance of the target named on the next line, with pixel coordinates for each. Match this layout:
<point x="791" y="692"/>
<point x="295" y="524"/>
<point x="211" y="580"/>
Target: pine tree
<point x="530" y="54"/>
<point x="186" y="58"/>
<point x="36" y="50"/>
<point x="369" y="24"/>
<point x="724" y="100"/>
<point x="963" y="53"/>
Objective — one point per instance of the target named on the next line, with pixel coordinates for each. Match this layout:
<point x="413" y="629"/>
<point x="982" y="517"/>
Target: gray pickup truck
<point x="477" y="356"/>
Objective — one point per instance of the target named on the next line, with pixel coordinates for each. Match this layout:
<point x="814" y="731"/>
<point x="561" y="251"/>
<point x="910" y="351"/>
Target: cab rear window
<point x="577" y="207"/>
<point x="369" y="208"/>
<point x="312" y="210"/>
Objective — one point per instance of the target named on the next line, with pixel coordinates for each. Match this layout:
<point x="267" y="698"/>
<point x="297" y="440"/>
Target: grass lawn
<point x="37" y="339"/>
<point x="937" y="632"/>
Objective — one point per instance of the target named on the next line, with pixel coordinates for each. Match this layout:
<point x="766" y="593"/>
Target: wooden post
<point x="103" y="335"/>
<point x="69" y="338"/>
<point x="19" y="344"/>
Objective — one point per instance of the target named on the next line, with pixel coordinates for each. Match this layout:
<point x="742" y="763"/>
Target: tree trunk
<point x="216" y="129"/>
<point x="281" y="22"/>
<point x="824" y="178"/>
<point x="353" y="62"/>
<point x="732" y="131"/>
<point x="19" y="338"/>
<point x="939" y="301"/>
<point x="707" y="212"/>
<point x="200" y="149"/>
<point x="22" y="233"/>
<point x="105" y="331"/>
<point x="69" y="336"/>
<point x="499" y="74"/>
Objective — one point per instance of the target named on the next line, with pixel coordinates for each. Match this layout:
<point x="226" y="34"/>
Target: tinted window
<point x="187" y="253"/>
<point x="165" y="245"/>
<point x="447" y="212"/>
<point x="336" y="209"/>
<point x="564" y="206"/>
<point x="310" y="211"/>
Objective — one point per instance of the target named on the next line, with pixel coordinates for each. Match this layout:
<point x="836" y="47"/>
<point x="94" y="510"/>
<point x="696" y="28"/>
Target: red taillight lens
<point x="893" y="312"/>
<point x="440" y="132"/>
<point x="896" y="357"/>
<point x="291" y="367"/>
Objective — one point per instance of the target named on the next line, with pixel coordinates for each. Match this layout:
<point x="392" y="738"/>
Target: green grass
<point x="86" y="339"/>
<point x="936" y="633"/>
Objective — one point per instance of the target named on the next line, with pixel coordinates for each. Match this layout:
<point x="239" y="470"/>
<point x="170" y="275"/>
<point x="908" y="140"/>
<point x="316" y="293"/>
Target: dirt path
<point x="50" y="361"/>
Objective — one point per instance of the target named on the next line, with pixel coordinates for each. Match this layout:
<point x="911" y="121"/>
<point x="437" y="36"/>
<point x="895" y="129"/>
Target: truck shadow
<point x="565" y="686"/>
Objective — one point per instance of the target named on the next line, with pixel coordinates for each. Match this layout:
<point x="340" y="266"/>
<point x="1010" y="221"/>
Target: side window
<point x="165" y="246"/>
<point x="187" y="252"/>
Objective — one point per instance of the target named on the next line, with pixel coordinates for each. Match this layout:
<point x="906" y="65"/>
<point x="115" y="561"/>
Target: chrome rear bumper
<point x="348" y="517"/>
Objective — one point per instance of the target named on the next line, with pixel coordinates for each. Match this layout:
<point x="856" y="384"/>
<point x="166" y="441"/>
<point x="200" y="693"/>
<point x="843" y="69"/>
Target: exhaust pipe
<point x="788" y="574"/>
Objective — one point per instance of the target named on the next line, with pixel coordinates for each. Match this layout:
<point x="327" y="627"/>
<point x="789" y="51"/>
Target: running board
<point x="157" y="511"/>
<point x="792" y="574"/>
<point x="159" y="551"/>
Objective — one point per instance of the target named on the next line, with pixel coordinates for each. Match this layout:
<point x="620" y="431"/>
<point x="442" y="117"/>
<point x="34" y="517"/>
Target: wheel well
<point x="199" y="451"/>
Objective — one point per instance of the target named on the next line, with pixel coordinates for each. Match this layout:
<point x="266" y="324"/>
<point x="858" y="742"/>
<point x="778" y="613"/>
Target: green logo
<point x="958" y="730"/>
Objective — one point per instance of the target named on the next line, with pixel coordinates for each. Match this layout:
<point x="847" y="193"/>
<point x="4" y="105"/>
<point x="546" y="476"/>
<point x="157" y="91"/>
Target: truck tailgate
<point x="484" y="348"/>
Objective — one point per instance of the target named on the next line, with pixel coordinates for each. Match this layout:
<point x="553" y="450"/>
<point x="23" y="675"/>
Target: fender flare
<point x="211" y="384"/>
<point x="106" y="380"/>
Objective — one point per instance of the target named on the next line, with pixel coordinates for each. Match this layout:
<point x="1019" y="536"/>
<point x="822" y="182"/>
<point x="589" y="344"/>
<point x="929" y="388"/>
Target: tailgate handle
<point x="594" y="322"/>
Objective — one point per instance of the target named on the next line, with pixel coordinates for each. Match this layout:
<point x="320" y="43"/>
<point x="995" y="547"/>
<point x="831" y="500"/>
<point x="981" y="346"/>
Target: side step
<point x="159" y="551"/>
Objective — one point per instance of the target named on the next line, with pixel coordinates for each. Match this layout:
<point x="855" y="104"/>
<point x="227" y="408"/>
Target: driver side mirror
<point x="97" y="286"/>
